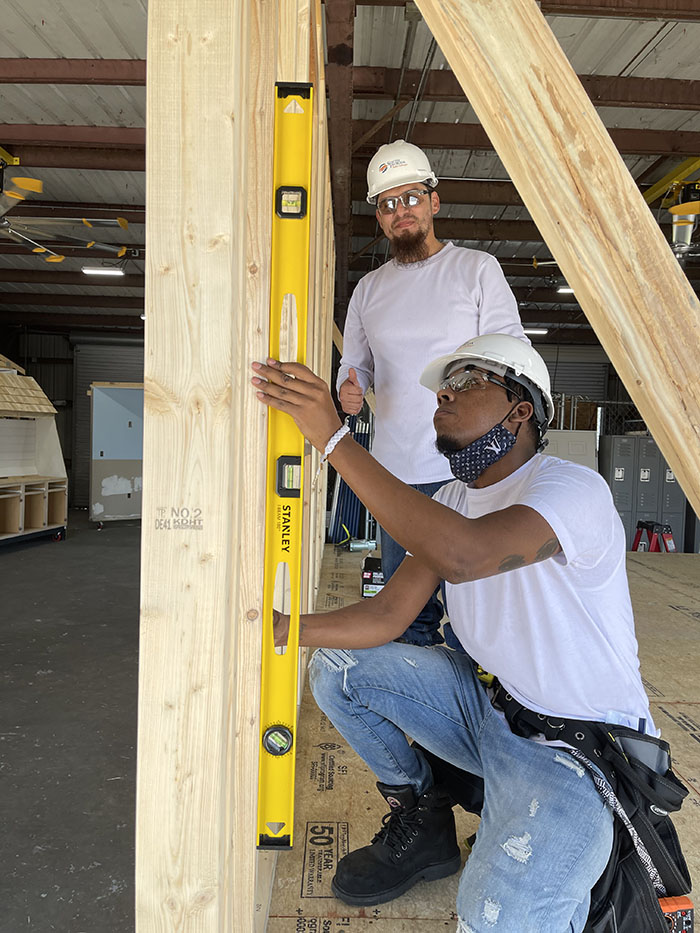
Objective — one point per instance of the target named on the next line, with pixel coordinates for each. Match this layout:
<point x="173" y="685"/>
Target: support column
<point x="209" y="156"/>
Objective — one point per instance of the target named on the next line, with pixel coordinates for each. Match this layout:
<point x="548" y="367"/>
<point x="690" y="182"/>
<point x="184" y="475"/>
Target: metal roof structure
<point x="72" y="109"/>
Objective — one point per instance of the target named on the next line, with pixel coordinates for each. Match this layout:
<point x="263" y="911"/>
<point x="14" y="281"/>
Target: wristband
<point x="330" y="447"/>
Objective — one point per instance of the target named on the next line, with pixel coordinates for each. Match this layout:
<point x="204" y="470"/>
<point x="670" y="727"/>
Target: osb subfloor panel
<point x="338" y="807"/>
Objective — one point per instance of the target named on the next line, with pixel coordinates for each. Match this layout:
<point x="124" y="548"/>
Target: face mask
<point x="470" y="462"/>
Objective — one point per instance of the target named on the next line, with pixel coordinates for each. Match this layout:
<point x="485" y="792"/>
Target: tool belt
<point x="646" y="862"/>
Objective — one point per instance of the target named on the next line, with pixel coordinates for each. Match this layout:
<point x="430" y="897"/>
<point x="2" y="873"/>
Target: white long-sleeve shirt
<point x="401" y="317"/>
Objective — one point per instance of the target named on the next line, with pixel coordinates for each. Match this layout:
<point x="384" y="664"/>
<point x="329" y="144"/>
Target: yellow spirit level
<point x="285" y="459"/>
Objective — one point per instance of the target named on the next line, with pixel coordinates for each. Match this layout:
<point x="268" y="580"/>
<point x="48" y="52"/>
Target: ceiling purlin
<point x="111" y="72"/>
<point x="377" y="83"/>
<point x="55" y="277"/>
<point x="673" y="10"/>
<point x="59" y="321"/>
<point x="473" y="136"/>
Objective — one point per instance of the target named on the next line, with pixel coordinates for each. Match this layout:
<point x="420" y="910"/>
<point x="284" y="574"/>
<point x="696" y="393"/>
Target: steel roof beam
<point x="71" y="301"/>
<point x="473" y="136"/>
<point x="449" y="228"/>
<point x="112" y="159"/>
<point x="99" y="147"/>
<point x="61" y="320"/>
<point x="376" y="83"/>
<point x="672" y="10"/>
<point x="55" y="277"/>
<point x="115" y="72"/>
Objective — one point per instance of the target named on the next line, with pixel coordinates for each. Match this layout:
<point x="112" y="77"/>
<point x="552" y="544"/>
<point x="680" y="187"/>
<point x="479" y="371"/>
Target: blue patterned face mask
<point x="470" y="462"/>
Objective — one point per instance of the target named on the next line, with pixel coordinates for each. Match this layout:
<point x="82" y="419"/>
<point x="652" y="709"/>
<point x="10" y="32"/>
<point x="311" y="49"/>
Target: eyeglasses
<point x="473" y="379"/>
<point x="410" y="198"/>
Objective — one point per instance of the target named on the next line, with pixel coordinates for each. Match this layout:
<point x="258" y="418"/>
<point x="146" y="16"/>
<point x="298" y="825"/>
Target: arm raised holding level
<point x="453" y="547"/>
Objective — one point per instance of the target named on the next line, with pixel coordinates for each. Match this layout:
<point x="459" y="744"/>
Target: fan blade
<point x="28" y="184"/>
<point x="64" y="238"/>
<point x="6" y="203"/>
<point x="32" y="244"/>
<point x="73" y="221"/>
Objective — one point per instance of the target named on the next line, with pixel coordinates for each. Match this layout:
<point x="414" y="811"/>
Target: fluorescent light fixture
<point x="102" y="270"/>
<point x="538" y="331"/>
<point x="565" y="290"/>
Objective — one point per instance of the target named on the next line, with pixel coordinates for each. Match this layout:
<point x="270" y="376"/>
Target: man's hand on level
<point x="294" y="389"/>
<point x="350" y="394"/>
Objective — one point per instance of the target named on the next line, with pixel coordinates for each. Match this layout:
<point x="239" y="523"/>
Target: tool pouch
<point x="624" y="899"/>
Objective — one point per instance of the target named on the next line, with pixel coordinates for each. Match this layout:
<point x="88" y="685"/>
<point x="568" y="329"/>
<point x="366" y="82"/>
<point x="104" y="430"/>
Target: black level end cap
<point x="274" y="842"/>
<point x="293" y="89"/>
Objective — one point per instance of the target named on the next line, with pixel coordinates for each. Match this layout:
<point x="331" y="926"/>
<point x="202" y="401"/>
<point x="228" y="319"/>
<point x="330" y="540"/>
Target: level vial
<point x="277" y="740"/>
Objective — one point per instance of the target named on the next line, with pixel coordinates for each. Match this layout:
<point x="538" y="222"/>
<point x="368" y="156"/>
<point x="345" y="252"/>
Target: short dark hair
<point x="519" y="391"/>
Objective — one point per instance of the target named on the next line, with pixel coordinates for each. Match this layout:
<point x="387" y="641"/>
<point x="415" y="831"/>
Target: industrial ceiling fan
<point x="32" y="232"/>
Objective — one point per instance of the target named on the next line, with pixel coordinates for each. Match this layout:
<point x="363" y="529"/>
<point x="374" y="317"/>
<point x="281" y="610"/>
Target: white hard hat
<point x="395" y="164"/>
<point x="506" y="356"/>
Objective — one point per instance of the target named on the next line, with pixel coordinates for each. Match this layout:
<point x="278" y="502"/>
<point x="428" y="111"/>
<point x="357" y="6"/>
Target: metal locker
<point x="647" y="477"/>
<point x="616" y="459"/>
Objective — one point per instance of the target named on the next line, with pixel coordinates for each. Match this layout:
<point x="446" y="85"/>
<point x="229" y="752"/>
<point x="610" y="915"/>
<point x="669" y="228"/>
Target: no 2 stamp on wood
<point x="178" y="519"/>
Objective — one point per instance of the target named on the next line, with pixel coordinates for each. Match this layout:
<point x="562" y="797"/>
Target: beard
<point x="409" y="247"/>
<point x="444" y="444"/>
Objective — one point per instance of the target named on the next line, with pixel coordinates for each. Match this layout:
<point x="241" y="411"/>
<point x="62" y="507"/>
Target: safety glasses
<point x="473" y="379"/>
<point x="410" y="198"/>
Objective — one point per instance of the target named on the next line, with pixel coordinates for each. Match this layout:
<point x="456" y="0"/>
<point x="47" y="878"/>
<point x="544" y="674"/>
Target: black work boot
<point x="417" y="842"/>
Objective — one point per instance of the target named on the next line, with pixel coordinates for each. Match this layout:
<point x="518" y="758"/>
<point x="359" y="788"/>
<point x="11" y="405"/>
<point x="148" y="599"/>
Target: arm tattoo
<point x="511" y="563"/>
<point x="548" y="549"/>
<point x="514" y="561"/>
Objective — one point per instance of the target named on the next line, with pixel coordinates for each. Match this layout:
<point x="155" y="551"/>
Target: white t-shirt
<point x="558" y="634"/>
<point x="401" y="317"/>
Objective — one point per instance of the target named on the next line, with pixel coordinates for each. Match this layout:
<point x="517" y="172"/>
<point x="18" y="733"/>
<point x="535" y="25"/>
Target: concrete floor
<point x="69" y="642"/>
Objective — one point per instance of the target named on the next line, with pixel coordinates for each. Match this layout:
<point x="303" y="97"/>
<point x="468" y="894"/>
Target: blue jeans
<point x="545" y="834"/>
<point x="424" y="628"/>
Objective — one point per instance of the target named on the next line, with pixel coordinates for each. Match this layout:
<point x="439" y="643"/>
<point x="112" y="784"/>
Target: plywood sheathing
<point x="336" y="789"/>
<point x="22" y="395"/>
<point x="586" y="204"/>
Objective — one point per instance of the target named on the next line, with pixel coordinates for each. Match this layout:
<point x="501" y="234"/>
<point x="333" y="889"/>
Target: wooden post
<point x="209" y="155"/>
<point x="587" y="206"/>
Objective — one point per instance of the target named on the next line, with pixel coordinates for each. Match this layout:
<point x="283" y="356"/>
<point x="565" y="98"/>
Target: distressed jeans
<point x="545" y="834"/>
<point x="424" y="630"/>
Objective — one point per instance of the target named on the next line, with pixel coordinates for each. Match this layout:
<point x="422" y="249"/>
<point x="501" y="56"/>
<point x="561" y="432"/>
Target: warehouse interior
<point x="75" y="190"/>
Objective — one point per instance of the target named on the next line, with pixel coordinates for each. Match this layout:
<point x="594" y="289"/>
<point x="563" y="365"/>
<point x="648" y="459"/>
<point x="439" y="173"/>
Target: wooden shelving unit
<point x="33" y="483"/>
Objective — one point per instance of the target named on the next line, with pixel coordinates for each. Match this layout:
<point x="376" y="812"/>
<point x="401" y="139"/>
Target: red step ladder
<point x="659" y="538"/>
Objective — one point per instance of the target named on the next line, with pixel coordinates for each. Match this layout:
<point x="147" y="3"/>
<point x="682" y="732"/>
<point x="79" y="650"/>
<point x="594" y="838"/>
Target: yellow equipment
<point x="285" y="458"/>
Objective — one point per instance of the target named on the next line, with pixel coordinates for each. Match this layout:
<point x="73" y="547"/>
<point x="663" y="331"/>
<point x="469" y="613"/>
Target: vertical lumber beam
<point x="209" y="156"/>
<point x="320" y="308"/>
<point x="340" y="31"/>
<point x="588" y="208"/>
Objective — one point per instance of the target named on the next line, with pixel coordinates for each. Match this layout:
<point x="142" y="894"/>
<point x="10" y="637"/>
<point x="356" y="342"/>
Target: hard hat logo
<point x="397" y="163"/>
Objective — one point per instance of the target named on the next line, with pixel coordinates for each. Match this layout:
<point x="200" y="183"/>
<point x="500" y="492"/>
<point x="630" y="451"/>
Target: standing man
<point x="533" y="554"/>
<point x="428" y="299"/>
